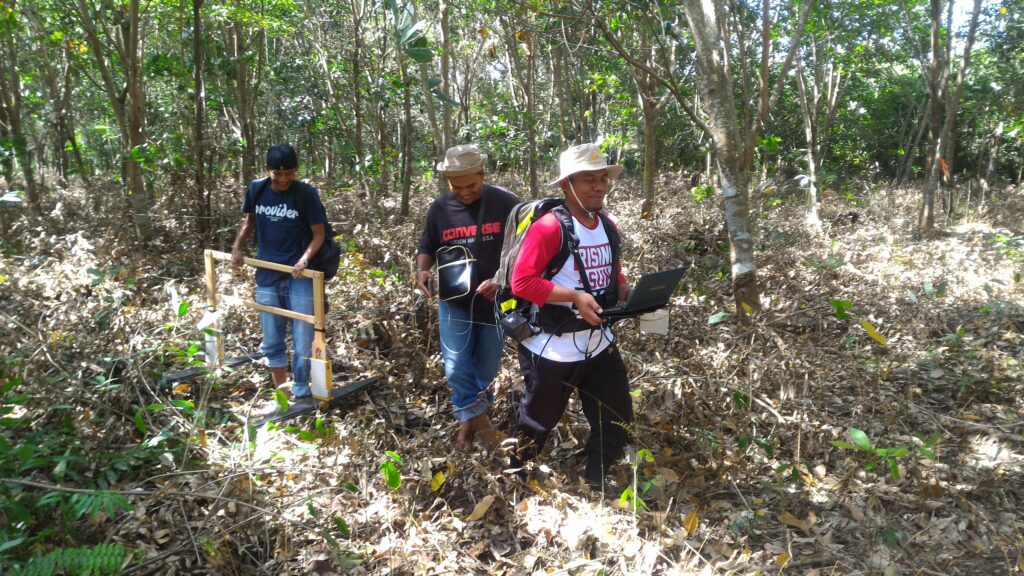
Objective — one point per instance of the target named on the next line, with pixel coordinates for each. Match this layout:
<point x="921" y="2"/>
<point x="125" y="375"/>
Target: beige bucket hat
<point x="583" y="158"/>
<point x="461" y="160"/>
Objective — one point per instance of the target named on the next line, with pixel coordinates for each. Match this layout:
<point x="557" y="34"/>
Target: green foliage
<point x="631" y="495"/>
<point x="792" y="472"/>
<point x="745" y="441"/>
<point x="410" y="32"/>
<point x="841" y="308"/>
<point x="54" y="453"/>
<point x="281" y="399"/>
<point x="90" y="505"/>
<point x="702" y="192"/>
<point x="391" y="467"/>
<point x="1013" y="248"/>
<point x="831" y="261"/>
<point x="770" y="144"/>
<point x="873" y="457"/>
<point x="718" y="318"/>
<point x="84" y="561"/>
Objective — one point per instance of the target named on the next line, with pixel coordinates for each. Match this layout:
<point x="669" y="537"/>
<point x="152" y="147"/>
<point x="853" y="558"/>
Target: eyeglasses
<point x="288" y="172"/>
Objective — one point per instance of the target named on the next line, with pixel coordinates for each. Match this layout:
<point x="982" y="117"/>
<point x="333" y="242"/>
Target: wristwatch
<point x="304" y="260"/>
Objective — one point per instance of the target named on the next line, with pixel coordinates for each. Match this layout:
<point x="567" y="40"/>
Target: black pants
<point x="604" y="393"/>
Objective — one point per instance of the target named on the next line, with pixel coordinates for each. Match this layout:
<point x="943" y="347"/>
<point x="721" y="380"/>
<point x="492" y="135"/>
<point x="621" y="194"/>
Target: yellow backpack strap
<point x="525" y="222"/>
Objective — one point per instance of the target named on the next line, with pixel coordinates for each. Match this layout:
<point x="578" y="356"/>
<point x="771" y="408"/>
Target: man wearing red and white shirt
<point x="575" y="350"/>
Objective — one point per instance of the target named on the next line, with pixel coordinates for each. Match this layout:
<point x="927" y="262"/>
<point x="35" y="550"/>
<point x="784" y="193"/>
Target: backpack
<point x="519" y="318"/>
<point x="328" y="258"/>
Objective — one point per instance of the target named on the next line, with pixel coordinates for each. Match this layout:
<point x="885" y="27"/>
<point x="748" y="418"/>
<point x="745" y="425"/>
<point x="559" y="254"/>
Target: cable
<point x="574" y="195"/>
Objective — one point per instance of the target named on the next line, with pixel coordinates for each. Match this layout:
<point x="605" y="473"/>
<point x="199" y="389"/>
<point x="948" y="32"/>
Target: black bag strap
<point x="328" y="229"/>
<point x="570" y="241"/>
<point x="479" y="224"/>
<point x="558" y="320"/>
<point x="571" y="244"/>
<point x="475" y="247"/>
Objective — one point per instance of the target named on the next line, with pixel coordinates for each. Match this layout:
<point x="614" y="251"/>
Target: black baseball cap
<point x="282" y="157"/>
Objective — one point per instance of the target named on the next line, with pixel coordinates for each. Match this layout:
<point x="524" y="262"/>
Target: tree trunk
<point x="910" y="149"/>
<point x="953" y="98"/>
<point x="356" y="80"/>
<point x="717" y="88"/>
<point x="936" y="75"/>
<point x="531" y="120"/>
<point x="199" y="147"/>
<point x="407" y="134"/>
<point x="103" y="53"/>
<point x="58" y="130"/>
<point x="446" y="79"/>
<point x="645" y="84"/>
<point x="10" y="90"/>
<point x="809" y="111"/>
<point x="67" y="87"/>
<point x="139" y="195"/>
<point x="238" y="46"/>
<point x="561" y="96"/>
<point x="988" y="175"/>
<point x="524" y="74"/>
<point x="6" y="162"/>
<point x="650" y="109"/>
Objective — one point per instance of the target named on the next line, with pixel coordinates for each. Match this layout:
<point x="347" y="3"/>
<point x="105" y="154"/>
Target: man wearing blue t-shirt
<point x="288" y="219"/>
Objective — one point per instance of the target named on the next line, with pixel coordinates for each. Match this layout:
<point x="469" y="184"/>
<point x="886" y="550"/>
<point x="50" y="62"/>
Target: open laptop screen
<point x="651" y="292"/>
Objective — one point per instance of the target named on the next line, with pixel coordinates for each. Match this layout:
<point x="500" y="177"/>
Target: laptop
<point x="651" y="292"/>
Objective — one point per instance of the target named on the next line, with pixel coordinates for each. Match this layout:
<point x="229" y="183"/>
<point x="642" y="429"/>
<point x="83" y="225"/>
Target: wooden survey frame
<point x="318" y="352"/>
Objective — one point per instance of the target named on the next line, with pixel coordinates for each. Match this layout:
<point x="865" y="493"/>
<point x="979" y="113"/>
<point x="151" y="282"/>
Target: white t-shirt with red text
<point x="543" y="241"/>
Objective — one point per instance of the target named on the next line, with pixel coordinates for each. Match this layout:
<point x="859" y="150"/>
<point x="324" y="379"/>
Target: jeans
<point x="297" y="296"/>
<point x="472" y="353"/>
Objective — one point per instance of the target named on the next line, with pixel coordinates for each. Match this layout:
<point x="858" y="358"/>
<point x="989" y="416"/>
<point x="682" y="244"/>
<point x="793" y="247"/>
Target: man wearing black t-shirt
<point x="288" y="219"/>
<point x="471" y="215"/>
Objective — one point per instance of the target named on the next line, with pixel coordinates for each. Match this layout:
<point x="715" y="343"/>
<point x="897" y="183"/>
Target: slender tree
<point x="199" y="96"/>
<point x="735" y="144"/>
<point x="12" y="26"/>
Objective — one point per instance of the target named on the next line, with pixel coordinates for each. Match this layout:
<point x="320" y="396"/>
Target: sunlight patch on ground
<point x="989" y="452"/>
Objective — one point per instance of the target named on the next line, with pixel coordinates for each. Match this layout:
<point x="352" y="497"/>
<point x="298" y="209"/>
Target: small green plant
<point x="844" y="311"/>
<point x="631" y="496"/>
<point x="391" y="467"/>
<point x="935" y="290"/>
<point x="832" y="261"/>
<point x="746" y="440"/>
<point x="874" y="457"/>
<point x="702" y="192"/>
<point x="101" y="276"/>
<point x="793" y="472"/>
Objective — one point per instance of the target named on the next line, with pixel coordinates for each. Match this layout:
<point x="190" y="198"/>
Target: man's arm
<point x="424" y="262"/>
<point x="244" y="231"/>
<point x="311" y="250"/>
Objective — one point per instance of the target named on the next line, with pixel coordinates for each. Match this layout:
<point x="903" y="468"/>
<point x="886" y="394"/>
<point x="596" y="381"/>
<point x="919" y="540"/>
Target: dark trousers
<point x="604" y="393"/>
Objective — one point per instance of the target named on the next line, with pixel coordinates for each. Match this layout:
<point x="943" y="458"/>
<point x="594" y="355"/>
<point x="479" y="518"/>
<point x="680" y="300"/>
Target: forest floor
<point x="908" y="353"/>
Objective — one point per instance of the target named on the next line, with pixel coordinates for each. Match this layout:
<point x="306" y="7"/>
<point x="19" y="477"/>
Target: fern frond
<point x="99" y="560"/>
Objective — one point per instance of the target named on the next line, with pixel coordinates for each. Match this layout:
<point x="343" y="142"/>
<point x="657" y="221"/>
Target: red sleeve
<point x="542" y="243"/>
